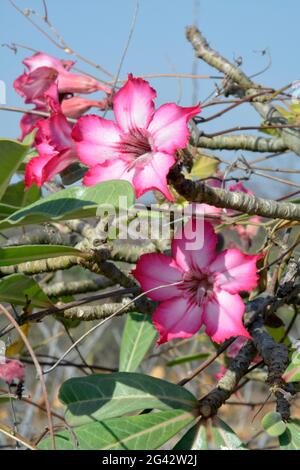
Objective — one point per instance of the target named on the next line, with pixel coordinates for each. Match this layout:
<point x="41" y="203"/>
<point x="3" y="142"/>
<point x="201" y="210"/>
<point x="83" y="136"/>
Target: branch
<point x="197" y="191"/>
<point x="210" y="404"/>
<point x="241" y="142"/>
<point x="242" y="86"/>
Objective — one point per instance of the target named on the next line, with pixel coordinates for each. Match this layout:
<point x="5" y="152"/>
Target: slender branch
<point x="38" y="370"/>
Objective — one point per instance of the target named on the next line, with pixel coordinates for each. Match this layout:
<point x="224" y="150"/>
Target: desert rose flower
<point x="140" y="146"/>
<point x="207" y="286"/>
<point x="12" y="370"/>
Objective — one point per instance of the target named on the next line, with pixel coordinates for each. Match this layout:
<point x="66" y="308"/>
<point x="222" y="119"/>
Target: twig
<point x="38" y="369"/>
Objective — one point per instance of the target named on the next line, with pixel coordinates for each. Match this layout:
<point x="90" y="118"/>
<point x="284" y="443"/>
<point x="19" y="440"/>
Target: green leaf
<point x="292" y="373"/>
<point x="148" y="431"/>
<point x="76" y="202"/>
<point x="272" y="423"/>
<point x="224" y="438"/>
<point x="17" y="196"/>
<point x="203" y="167"/>
<point x="194" y="439"/>
<point x="6" y="210"/>
<point x="138" y="336"/>
<point x="10" y="255"/>
<point x="290" y="439"/>
<point x="11" y="156"/>
<point x="184" y="359"/>
<point x="103" y="396"/>
<point x="20" y="289"/>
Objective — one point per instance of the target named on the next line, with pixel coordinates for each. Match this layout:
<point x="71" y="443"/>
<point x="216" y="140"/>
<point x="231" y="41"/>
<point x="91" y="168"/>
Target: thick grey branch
<point x="197" y="191"/>
<point x="241" y="142"/>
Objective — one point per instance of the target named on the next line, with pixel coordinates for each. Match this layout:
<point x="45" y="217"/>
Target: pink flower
<point x="40" y="69"/>
<point x="45" y="72"/>
<point x="207" y="289"/>
<point x="12" y="370"/>
<point x="55" y="147"/>
<point x="140" y="147"/>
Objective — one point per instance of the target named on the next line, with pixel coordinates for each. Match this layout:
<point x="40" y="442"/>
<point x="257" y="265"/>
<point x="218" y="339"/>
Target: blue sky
<point x="98" y="29"/>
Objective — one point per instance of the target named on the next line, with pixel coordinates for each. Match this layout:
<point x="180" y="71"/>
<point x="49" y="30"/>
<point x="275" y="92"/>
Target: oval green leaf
<point x="76" y="202"/>
<point x="103" y="396"/>
<point x="138" y="336"/>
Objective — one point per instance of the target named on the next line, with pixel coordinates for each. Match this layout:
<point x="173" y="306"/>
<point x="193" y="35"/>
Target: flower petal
<point x="223" y="316"/>
<point x="12" y="370"/>
<point x="28" y="122"/>
<point x="110" y="170"/>
<point x="153" y="174"/>
<point x="235" y="271"/>
<point x="177" y="318"/>
<point x="155" y="269"/>
<point x="54" y="130"/>
<point x="133" y="104"/>
<point x="96" y="139"/>
<point x="74" y="83"/>
<point x="168" y="127"/>
<point x="44" y="60"/>
<point x="194" y="246"/>
<point x="32" y="86"/>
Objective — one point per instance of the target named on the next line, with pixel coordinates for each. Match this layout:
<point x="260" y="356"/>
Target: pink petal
<point x="33" y="86"/>
<point x="76" y="106"/>
<point x="28" y="123"/>
<point x="153" y="175"/>
<point x="223" y="316"/>
<point x="177" y="318"/>
<point x="133" y="104"/>
<point x="168" y="127"/>
<point x="155" y="269"/>
<point x="239" y="187"/>
<point x="235" y="271"/>
<point x="74" y="83"/>
<point x="12" y="370"/>
<point x="43" y="60"/>
<point x="56" y="131"/>
<point x="48" y="164"/>
<point x="110" y="170"/>
<point x="34" y="168"/>
<point x="194" y="246"/>
<point x="96" y="139"/>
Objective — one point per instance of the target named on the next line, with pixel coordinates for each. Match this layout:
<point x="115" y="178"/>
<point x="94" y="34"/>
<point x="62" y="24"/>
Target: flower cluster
<point x="140" y="146"/>
<point x="195" y="287"/>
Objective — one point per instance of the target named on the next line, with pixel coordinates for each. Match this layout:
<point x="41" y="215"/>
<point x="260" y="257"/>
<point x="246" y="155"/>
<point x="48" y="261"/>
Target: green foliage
<point x="22" y="290"/>
<point x="10" y="255"/>
<point x="72" y="203"/>
<point x="185" y="359"/>
<point x="292" y="373"/>
<point x="17" y="196"/>
<point x="12" y="153"/>
<point x="290" y="439"/>
<point x="148" y="431"/>
<point x="272" y="423"/>
<point x="194" y="439"/>
<point x="223" y="437"/>
<point x="103" y="396"/>
<point x="138" y="336"/>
